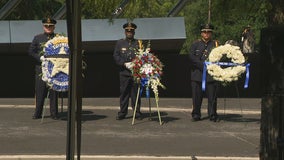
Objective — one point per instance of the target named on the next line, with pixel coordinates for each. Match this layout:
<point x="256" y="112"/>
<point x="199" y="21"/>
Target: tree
<point x="34" y="9"/>
<point x="98" y="9"/>
<point x="276" y="16"/>
<point x="229" y="17"/>
<point x="272" y="120"/>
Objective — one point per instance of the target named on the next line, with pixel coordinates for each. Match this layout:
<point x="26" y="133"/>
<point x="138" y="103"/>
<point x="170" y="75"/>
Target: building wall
<point x="102" y="80"/>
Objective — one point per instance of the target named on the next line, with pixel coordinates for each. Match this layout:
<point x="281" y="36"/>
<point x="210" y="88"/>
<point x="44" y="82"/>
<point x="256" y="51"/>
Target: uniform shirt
<point x="36" y="45"/>
<point x="199" y="52"/>
<point x="124" y="52"/>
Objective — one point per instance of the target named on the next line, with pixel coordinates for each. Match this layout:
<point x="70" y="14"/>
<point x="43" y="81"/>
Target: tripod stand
<point x="148" y="97"/>
<point x="44" y="104"/>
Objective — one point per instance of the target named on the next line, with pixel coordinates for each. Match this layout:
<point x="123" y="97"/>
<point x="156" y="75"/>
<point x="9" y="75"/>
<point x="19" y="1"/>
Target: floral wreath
<point x="55" y="63"/>
<point x="234" y="68"/>
<point x="147" y="69"/>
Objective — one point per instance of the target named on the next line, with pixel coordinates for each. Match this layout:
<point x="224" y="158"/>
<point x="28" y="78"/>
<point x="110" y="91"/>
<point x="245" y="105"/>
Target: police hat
<point x="48" y="21"/>
<point x="206" y="28"/>
<point x="129" y="26"/>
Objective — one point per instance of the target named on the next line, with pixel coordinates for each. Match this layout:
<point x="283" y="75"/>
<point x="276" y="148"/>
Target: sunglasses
<point x="47" y="26"/>
<point x="206" y="31"/>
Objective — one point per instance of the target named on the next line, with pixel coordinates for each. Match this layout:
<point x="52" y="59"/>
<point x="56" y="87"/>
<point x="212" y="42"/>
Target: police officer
<point x="123" y="54"/>
<point x="41" y="88"/>
<point x="199" y="52"/>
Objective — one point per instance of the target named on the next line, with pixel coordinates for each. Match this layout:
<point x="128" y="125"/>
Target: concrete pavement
<point x="236" y="136"/>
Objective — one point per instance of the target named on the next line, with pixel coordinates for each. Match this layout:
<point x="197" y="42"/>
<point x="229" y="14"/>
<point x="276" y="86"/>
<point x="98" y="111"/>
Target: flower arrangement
<point x="55" y="63"/>
<point x="217" y="60"/>
<point x="147" y="68"/>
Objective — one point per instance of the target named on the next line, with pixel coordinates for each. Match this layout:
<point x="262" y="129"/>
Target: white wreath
<point x="230" y="73"/>
<point x="55" y="63"/>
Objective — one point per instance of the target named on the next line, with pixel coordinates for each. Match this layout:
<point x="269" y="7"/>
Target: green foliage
<point x="97" y="9"/>
<point x="35" y="9"/>
<point x="147" y="8"/>
<point x="228" y="16"/>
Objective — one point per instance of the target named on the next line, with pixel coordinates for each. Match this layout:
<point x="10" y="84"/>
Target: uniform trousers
<point x="128" y="89"/>
<point x="197" y="97"/>
<point x="41" y="93"/>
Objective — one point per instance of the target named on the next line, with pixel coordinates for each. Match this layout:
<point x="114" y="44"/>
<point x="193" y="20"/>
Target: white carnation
<point x="227" y="74"/>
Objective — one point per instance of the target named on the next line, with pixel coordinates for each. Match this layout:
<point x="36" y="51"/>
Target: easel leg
<point x="150" y="112"/>
<point x="225" y="102"/>
<point x="44" y="107"/>
<point x="238" y="94"/>
<point x="159" y="115"/>
<point x="61" y="93"/>
<point x="135" y="108"/>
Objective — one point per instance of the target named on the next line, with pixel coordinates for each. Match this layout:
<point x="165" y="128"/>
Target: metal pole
<point x="8" y="8"/>
<point x="177" y="8"/>
<point x="75" y="78"/>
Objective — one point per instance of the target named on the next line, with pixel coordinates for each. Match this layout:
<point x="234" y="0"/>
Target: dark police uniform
<point x="124" y="52"/>
<point x="199" y="52"/>
<point x="41" y="88"/>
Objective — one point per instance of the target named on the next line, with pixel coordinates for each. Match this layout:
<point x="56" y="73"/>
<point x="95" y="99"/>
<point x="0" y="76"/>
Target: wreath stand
<point x="237" y="90"/>
<point x="61" y="93"/>
<point x="238" y="95"/>
<point x="135" y="108"/>
<point x="44" y="105"/>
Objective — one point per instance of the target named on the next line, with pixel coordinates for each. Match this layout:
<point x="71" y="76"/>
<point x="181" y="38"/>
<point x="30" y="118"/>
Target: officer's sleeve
<point x="195" y="57"/>
<point x="116" y="55"/>
<point x="34" y="49"/>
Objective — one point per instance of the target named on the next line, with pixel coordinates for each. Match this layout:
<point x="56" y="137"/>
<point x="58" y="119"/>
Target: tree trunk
<point x="272" y="111"/>
<point x="276" y="16"/>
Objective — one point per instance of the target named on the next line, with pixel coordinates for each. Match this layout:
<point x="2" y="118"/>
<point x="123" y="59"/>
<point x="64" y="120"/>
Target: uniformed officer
<point x="41" y="88"/>
<point x="199" y="52"/>
<point x="123" y="54"/>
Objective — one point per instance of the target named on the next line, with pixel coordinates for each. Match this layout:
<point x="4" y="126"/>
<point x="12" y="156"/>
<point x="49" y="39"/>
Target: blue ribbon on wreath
<point x="60" y="81"/>
<point x="143" y="83"/>
<point x="224" y="64"/>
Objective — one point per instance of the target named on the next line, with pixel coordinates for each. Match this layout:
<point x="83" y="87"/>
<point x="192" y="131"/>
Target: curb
<point x="108" y="157"/>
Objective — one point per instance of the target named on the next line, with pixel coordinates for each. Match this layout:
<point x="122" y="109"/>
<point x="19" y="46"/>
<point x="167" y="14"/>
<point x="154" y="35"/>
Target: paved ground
<point x="236" y="136"/>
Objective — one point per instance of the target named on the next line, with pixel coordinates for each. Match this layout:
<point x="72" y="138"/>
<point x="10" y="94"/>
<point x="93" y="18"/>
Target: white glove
<point x="42" y="58"/>
<point x="128" y="65"/>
